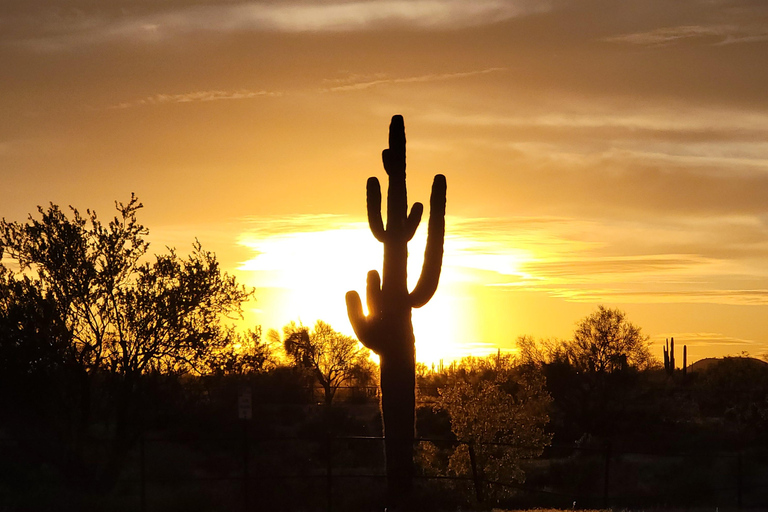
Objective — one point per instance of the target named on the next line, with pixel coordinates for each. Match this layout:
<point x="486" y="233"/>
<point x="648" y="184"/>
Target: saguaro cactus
<point x="387" y="329"/>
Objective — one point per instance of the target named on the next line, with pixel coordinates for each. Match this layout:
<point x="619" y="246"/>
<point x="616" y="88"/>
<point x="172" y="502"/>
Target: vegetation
<point x="112" y="359"/>
<point x="606" y="342"/>
<point x="332" y="358"/>
<point x="84" y="308"/>
<point x="498" y="410"/>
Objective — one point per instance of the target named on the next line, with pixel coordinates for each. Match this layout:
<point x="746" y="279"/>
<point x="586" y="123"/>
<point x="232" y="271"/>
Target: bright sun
<point x="303" y="267"/>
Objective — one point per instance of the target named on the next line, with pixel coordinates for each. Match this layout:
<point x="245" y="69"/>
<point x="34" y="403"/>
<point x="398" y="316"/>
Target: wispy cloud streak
<point x="290" y="17"/>
<point x="659" y="118"/>
<point x="197" y="96"/>
<point x="709" y="34"/>
<point x="668" y="296"/>
<point x="356" y="83"/>
<point x="352" y="83"/>
<point x="703" y="339"/>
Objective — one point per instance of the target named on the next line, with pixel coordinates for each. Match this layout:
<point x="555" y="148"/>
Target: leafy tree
<point x="242" y="354"/>
<point x="594" y="378"/>
<point x="171" y="315"/>
<point x="606" y="341"/>
<point x="568" y="386"/>
<point x="34" y="338"/>
<point x="332" y="358"/>
<point x="544" y="352"/>
<point x="499" y="407"/>
<point x="80" y="297"/>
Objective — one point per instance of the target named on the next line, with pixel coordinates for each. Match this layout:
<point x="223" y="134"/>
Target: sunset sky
<point x="596" y="152"/>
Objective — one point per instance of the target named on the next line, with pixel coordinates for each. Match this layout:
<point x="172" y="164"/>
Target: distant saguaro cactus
<point x="669" y="357"/>
<point x="387" y="329"/>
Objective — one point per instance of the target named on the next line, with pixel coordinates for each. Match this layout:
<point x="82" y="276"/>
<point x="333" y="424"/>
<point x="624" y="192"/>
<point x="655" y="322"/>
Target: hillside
<point x="707" y="363"/>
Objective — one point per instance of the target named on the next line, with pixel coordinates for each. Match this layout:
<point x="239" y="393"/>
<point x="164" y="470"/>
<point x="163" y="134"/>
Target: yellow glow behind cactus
<point x="300" y="274"/>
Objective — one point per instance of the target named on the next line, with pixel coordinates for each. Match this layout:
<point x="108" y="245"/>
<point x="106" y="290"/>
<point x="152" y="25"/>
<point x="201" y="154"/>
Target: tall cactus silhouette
<point x="387" y="329"/>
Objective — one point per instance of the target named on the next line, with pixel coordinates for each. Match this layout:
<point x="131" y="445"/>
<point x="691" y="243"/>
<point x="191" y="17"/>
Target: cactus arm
<point x="373" y="200"/>
<point x="373" y="294"/>
<point x="356" y="316"/>
<point x="412" y="222"/>
<point x="365" y="326"/>
<point x="433" y="254"/>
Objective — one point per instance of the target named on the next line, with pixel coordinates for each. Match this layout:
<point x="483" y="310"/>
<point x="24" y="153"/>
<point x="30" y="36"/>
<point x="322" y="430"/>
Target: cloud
<point x="357" y="82"/>
<point x="702" y="339"/>
<point x="352" y="83"/>
<point x="677" y="260"/>
<point x="669" y="296"/>
<point x="197" y="96"/>
<point x="712" y="34"/>
<point x="78" y="27"/>
<point x="265" y="226"/>
<point x="570" y="259"/>
<point x="579" y="269"/>
<point x="626" y="121"/>
<point x="617" y="157"/>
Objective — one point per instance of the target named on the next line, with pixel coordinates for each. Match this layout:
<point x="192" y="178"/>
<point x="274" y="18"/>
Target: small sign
<point x="244" y="404"/>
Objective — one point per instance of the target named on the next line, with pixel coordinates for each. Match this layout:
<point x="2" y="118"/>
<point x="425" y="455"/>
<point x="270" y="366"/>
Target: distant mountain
<point x="707" y="363"/>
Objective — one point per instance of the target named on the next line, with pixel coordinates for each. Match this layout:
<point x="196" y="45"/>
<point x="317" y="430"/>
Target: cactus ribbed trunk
<point x="387" y="329"/>
<point x="672" y="356"/>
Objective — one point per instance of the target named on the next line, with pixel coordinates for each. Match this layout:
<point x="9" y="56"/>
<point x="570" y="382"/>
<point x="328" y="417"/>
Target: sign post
<point x="244" y="403"/>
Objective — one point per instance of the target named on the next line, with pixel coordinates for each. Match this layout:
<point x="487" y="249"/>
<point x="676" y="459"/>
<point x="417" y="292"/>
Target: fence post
<point x="246" y="449"/>
<point x="475" y="475"/>
<point x="739" y="479"/>
<point x="607" y="475"/>
<point x="329" y="471"/>
<point x="142" y="473"/>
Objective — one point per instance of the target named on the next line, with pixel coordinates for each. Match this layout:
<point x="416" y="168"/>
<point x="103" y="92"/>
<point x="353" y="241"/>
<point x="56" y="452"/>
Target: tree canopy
<point x="333" y="358"/>
<point x="605" y="341"/>
<point x="119" y="311"/>
<point x="83" y="305"/>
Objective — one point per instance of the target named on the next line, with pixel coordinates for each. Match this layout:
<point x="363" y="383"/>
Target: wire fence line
<point x="329" y="471"/>
<point x="330" y="463"/>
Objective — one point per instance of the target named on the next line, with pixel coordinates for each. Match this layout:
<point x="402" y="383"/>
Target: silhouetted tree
<point x="606" y="341"/>
<point x="242" y="354"/>
<point x="544" y="352"/>
<point x="568" y="386"/>
<point x="594" y="379"/>
<point x="332" y="358"/>
<point x="387" y="329"/>
<point x="108" y="316"/>
<point x="33" y="337"/>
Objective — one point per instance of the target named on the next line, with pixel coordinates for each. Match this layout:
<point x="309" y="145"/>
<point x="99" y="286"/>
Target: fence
<point x="599" y="477"/>
<point x="246" y="470"/>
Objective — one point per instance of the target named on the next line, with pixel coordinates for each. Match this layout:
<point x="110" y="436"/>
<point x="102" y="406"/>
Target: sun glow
<point x="303" y="267"/>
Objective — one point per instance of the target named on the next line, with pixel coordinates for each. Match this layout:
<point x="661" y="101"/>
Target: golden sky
<point x="596" y="152"/>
